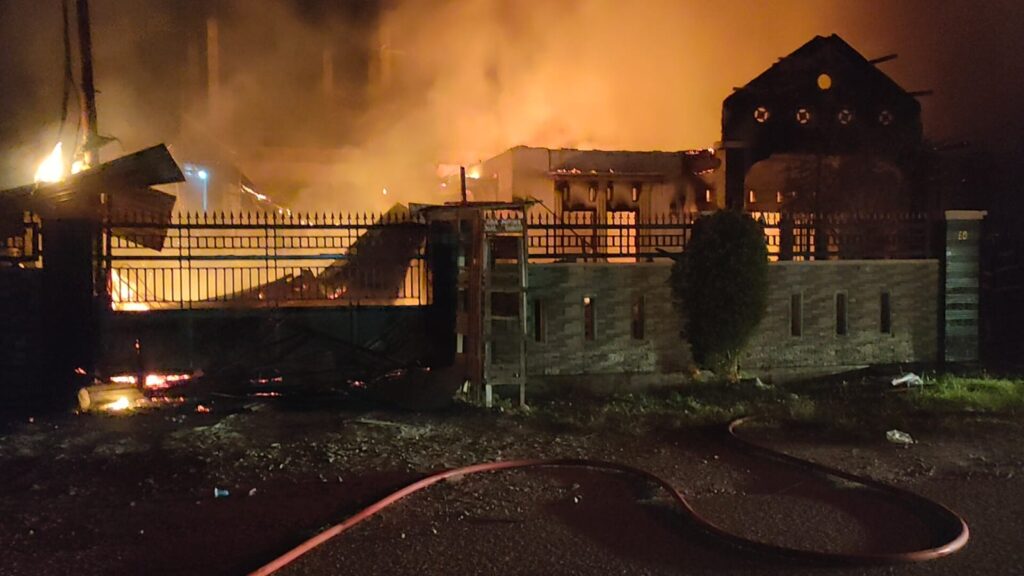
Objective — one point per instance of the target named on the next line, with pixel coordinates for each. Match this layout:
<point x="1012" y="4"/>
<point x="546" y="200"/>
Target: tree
<point x="721" y="282"/>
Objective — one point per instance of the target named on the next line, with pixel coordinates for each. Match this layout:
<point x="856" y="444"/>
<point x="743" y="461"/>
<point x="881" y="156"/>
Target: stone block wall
<point x="563" y="349"/>
<point x="913" y="287"/>
<point x="563" y="353"/>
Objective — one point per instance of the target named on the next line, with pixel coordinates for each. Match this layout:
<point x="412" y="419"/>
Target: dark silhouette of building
<point x="823" y="129"/>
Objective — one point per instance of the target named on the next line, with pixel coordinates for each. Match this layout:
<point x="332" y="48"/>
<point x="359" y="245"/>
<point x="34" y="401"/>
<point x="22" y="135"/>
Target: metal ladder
<point x="504" y="284"/>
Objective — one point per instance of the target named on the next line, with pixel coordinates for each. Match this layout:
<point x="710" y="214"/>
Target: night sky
<point x="475" y="77"/>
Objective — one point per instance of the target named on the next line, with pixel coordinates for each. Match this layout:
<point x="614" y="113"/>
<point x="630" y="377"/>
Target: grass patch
<point x="865" y="405"/>
<point x="693" y="404"/>
<point x="950" y="393"/>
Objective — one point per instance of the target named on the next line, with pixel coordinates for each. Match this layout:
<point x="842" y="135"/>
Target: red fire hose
<point x="953" y="528"/>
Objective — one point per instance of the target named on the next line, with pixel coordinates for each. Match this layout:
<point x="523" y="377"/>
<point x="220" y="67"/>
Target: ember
<point x="164" y="381"/>
<point x="153" y="381"/>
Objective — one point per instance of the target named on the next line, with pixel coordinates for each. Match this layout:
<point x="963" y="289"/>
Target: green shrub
<point x="721" y="281"/>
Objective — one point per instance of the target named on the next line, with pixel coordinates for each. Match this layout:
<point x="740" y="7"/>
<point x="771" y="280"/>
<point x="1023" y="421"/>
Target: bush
<point x="721" y="281"/>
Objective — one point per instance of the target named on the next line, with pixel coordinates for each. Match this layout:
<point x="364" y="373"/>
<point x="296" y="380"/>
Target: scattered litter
<point x="704" y="376"/>
<point x="756" y="383"/>
<point x="576" y="499"/>
<point x="909" y="379"/>
<point x="252" y="492"/>
<point x="373" y="422"/>
<point x="899" y="437"/>
<point x="221" y="493"/>
<point x="200" y="409"/>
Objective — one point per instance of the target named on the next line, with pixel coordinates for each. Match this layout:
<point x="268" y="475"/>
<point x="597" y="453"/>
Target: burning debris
<point x="112" y="397"/>
<point x="122" y="393"/>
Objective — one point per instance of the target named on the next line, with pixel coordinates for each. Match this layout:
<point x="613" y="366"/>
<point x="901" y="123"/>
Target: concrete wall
<point x="615" y="359"/>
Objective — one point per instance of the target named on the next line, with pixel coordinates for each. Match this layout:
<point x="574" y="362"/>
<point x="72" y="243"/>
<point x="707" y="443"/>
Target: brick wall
<point x="616" y="357"/>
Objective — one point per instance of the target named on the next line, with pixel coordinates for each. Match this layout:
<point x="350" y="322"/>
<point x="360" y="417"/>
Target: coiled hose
<point x="952" y="527"/>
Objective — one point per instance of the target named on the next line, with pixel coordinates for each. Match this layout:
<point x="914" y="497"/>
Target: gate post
<point x="961" y="268"/>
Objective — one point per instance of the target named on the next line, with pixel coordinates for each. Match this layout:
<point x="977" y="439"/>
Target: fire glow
<point x="119" y="405"/>
<point x="52" y="168"/>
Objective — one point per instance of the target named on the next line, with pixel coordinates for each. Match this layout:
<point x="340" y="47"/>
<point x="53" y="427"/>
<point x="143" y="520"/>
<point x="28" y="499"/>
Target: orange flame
<point x="51" y="169"/>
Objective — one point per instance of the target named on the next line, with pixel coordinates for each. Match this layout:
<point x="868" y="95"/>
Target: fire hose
<point x="954" y="529"/>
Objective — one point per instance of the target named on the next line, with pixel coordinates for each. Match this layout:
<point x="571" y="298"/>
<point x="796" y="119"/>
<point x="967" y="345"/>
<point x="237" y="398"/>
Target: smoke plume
<point x="414" y="83"/>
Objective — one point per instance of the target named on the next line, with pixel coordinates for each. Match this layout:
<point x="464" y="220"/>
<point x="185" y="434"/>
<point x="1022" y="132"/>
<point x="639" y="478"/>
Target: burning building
<point x="598" y="184"/>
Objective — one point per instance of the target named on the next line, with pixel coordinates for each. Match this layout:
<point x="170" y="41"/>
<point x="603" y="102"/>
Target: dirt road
<point x="134" y="495"/>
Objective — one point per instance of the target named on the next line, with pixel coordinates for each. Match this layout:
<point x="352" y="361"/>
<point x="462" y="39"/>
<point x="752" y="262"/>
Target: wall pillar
<point x="961" y="273"/>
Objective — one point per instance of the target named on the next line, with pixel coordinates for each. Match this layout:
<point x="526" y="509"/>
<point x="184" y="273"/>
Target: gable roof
<point x="821" y="55"/>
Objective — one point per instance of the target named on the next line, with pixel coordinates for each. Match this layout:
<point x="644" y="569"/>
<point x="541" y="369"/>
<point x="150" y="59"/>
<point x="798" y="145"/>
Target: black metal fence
<point x="272" y="259"/>
<point x="218" y="260"/>
<point x="620" y="236"/>
<point x="623" y="236"/>
<point x="848" y="236"/>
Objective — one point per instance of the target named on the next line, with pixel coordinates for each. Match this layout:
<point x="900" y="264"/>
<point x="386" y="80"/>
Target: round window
<point x="824" y="81"/>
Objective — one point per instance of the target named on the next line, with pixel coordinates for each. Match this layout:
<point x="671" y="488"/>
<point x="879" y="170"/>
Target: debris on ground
<point x="899" y="437"/>
<point x="109" y="397"/>
<point x="909" y="379"/>
<point x="221" y="492"/>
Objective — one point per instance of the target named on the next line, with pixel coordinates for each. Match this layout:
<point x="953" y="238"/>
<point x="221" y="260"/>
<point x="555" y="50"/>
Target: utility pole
<point x="91" y="139"/>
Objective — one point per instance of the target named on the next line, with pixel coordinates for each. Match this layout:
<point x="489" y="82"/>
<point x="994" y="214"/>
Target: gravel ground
<point x="134" y="495"/>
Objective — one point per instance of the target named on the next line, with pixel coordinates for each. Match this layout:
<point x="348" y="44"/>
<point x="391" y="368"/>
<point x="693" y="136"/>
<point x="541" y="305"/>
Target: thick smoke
<point x="419" y="82"/>
<point x="466" y="80"/>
